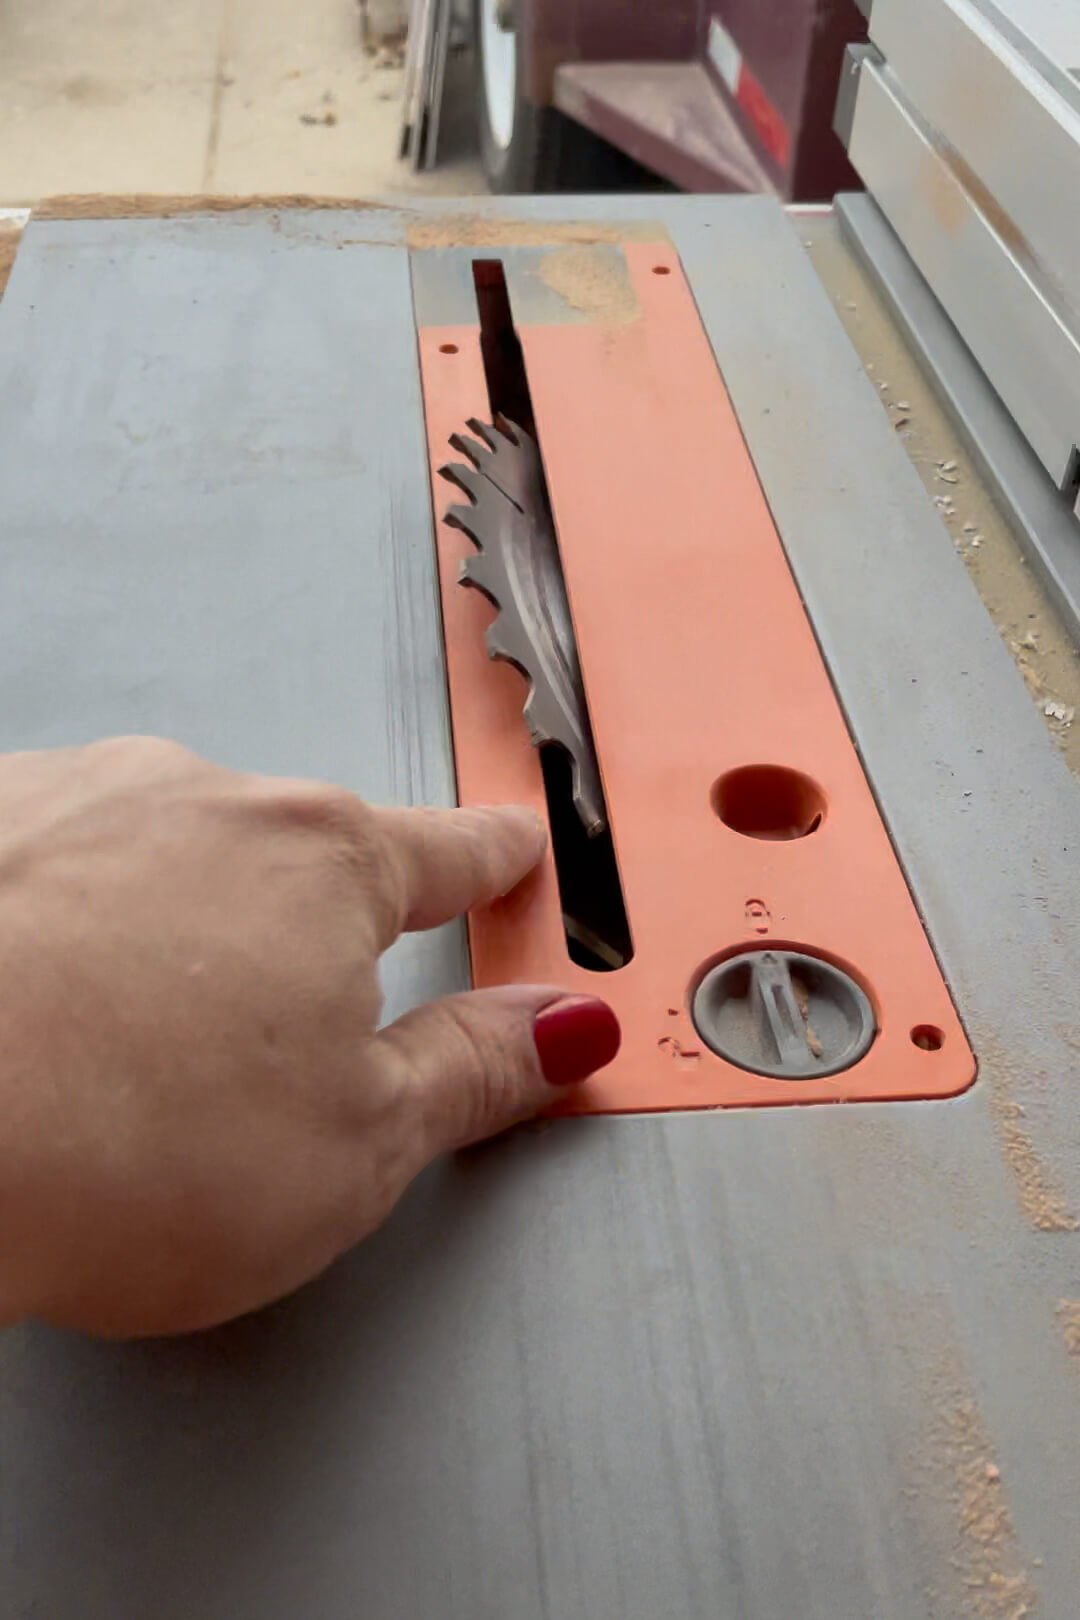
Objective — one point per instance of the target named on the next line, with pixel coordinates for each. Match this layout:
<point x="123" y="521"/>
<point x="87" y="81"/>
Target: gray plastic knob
<point x="783" y="1014"/>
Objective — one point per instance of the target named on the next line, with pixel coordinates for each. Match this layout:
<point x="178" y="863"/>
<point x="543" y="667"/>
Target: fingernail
<point x="575" y="1037"/>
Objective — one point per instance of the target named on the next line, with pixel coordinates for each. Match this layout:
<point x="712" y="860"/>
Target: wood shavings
<point x="1042" y="1202"/>
<point x="145" y="205"/>
<point x="1061" y="712"/>
<point x="472" y="230"/>
<point x="958" y="1488"/>
<point x="958" y="1469"/>
<point x="9" y="246"/>
<point x="1000" y="1591"/>
<point x="1032" y="680"/>
<point x="802" y="1001"/>
<point x="1068" y="1314"/>
<point x="593" y="283"/>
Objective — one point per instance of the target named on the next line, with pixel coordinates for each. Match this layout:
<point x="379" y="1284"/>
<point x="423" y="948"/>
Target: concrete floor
<point x="230" y="96"/>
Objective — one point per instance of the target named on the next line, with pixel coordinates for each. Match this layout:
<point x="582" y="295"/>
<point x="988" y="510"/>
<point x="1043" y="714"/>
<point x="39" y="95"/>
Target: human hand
<point x="198" y="1113"/>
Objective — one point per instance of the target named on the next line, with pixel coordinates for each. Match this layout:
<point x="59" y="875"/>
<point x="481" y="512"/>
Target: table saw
<point x="782" y="1322"/>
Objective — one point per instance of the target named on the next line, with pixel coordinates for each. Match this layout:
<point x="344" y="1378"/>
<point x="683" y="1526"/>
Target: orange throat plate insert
<point x="743" y="825"/>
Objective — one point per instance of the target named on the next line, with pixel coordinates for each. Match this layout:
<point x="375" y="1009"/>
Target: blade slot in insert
<point x="507" y="515"/>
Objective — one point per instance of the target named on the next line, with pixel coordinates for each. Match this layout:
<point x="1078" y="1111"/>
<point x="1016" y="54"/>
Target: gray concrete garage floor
<point x="230" y="96"/>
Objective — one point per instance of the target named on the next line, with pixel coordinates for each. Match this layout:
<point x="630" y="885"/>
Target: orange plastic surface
<point x="698" y="659"/>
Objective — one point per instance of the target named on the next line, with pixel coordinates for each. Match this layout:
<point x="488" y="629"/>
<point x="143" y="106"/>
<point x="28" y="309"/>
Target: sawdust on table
<point x="481" y="231"/>
<point x="139" y="205"/>
<point x="1068" y="1314"/>
<point x="1025" y="618"/>
<point x="596" y="285"/>
<point x="440" y="231"/>
<point x="146" y="205"/>
<point x="10" y="237"/>
<point x="1042" y="1203"/>
<point x="956" y="1492"/>
<point x="996" y="1586"/>
<point x="1041" y="1199"/>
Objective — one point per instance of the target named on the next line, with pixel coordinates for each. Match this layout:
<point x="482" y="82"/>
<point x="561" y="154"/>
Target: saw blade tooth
<point x="489" y="500"/>
<point x="465" y="477"/>
<point x="512" y="472"/>
<point x="476" y="571"/>
<point x="540" y="724"/>
<point x="509" y="429"/>
<point x="549" y="722"/>
<point x="496" y="647"/>
<point x="463" y="518"/>
<point x="484" y="519"/>
<point x="506" y="639"/>
<point x="478" y="453"/>
<point x="587" y="795"/>
<point x="483" y="430"/>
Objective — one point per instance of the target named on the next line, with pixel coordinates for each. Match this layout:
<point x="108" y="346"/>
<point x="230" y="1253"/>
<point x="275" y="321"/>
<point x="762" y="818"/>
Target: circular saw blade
<point x="517" y="566"/>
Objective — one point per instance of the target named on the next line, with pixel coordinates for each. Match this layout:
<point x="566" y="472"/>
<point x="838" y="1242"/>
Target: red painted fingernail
<point x="575" y="1037"/>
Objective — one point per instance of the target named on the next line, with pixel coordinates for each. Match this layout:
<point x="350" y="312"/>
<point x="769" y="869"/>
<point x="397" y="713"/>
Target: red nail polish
<point x="575" y="1037"/>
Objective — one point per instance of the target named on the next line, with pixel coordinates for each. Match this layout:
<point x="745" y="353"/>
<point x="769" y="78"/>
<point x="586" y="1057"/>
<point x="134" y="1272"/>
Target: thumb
<point x="472" y="1065"/>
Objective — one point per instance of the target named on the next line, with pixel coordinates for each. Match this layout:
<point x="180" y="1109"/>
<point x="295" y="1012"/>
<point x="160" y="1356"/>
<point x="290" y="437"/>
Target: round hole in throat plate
<point x="769" y="801"/>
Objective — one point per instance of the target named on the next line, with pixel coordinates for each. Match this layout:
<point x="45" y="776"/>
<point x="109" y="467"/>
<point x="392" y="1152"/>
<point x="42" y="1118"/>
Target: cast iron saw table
<point x="722" y="1345"/>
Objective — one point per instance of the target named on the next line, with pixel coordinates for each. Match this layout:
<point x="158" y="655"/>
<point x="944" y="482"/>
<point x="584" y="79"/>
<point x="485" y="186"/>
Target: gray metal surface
<point x="1044" y="522"/>
<point x="986" y="820"/>
<point x="595" y="275"/>
<point x="1008" y="317"/>
<point x="848" y="90"/>
<point x="1046" y="31"/>
<point x="210" y="531"/>
<point x="953" y="63"/>
<point x="795" y="1364"/>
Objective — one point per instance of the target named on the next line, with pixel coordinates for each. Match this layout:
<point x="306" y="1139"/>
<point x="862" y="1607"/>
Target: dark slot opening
<point x="504" y="362"/>
<point x="1072" y="476"/>
<point x="590" y="890"/>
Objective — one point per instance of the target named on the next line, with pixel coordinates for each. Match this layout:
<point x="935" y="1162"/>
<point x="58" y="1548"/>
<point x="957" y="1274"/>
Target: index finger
<point x="440" y="863"/>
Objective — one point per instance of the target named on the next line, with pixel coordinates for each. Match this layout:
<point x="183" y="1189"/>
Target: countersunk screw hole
<point x="661" y="270"/>
<point x="448" y="348"/>
<point x="928" y="1038"/>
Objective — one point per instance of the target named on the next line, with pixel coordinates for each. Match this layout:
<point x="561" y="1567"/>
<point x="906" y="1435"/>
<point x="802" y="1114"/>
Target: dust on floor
<point x="231" y="96"/>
